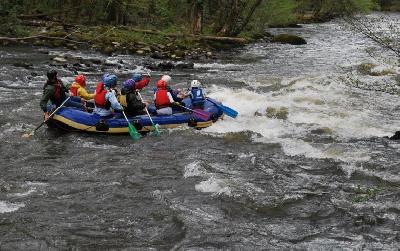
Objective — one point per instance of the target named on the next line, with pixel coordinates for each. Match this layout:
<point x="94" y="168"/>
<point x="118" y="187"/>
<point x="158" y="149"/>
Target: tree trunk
<point x="248" y="18"/>
<point x="197" y="16"/>
<point x="231" y="22"/>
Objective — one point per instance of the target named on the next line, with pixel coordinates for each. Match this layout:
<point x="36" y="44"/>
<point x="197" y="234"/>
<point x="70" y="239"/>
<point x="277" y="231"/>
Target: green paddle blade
<point x="156" y="130"/>
<point x="133" y="132"/>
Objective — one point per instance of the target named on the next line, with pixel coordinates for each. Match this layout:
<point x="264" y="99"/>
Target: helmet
<point x="161" y="84"/>
<point x="166" y="78"/>
<point x="81" y="80"/>
<point x="195" y="84"/>
<point x="129" y="84"/>
<point x="110" y="81"/>
<point x="105" y="75"/>
<point x="51" y="74"/>
<point x="137" y="77"/>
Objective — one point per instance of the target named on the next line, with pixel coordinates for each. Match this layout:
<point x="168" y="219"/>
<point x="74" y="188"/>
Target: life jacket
<point x="162" y="99"/>
<point x="57" y="98"/>
<point x="74" y="89"/>
<point x="100" y="97"/>
<point x="197" y="96"/>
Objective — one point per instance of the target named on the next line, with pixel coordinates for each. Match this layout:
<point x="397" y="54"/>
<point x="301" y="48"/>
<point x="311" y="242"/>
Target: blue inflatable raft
<point x="72" y="119"/>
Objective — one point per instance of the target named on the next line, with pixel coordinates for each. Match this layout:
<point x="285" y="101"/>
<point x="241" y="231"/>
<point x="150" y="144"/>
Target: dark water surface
<point x="321" y="177"/>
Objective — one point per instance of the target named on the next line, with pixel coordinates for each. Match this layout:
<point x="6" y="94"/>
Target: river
<point x="305" y="165"/>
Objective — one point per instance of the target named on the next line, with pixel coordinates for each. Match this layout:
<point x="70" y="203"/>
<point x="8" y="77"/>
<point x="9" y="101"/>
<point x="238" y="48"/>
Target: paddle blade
<point x="133" y="132"/>
<point x="156" y="130"/>
<point x="28" y="135"/>
<point x="228" y="111"/>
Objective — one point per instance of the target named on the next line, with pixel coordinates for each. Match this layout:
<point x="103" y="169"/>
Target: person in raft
<point x="196" y="94"/>
<point x="105" y="99"/>
<point x="55" y="91"/>
<point x="141" y="80"/>
<point x="177" y="94"/>
<point x="163" y="99"/>
<point x="130" y="100"/>
<point x="78" y="88"/>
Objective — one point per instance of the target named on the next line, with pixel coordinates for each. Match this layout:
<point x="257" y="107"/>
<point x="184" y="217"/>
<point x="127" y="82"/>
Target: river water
<point x="305" y="165"/>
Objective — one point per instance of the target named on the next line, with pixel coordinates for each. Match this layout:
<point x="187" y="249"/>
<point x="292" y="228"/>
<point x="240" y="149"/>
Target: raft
<point x="73" y="119"/>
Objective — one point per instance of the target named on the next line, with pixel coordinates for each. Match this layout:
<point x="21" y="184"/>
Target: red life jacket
<point x="100" y="97"/>
<point x="74" y="89"/>
<point x="57" y="91"/>
<point x="162" y="99"/>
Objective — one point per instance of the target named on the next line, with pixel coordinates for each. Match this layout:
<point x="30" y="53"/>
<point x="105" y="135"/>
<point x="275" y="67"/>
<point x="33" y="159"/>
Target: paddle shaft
<point x="147" y="111"/>
<point x="58" y="108"/>
<point x="198" y="112"/>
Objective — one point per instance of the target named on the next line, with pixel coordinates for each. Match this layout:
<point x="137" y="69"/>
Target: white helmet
<point x="195" y="84"/>
<point x="166" y="78"/>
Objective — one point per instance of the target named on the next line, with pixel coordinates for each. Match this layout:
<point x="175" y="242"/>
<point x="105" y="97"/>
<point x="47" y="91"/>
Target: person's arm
<point x="171" y="99"/>
<point x="84" y="94"/>
<point x="47" y="93"/>
<point x="142" y="83"/>
<point x="114" y="102"/>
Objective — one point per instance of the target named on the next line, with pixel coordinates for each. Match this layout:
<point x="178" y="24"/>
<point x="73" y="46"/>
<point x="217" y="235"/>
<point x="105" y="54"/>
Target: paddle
<point x="132" y="130"/>
<point x="227" y="110"/>
<point x="202" y="115"/>
<point x="27" y="135"/>
<point x="157" y="132"/>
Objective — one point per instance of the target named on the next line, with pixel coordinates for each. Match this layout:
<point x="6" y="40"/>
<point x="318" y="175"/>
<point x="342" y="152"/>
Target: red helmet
<point x="81" y="80"/>
<point x="161" y="84"/>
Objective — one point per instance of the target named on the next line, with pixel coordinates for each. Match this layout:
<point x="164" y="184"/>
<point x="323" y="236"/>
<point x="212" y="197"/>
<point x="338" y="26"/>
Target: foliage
<point x="221" y="17"/>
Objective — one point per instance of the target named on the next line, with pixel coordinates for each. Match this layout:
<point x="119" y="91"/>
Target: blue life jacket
<point x="197" y="96"/>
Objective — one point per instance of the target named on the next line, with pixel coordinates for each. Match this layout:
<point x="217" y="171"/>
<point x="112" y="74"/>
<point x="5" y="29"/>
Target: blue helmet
<point x="137" y="77"/>
<point x="110" y="81"/>
<point x="104" y="76"/>
<point x="129" y="84"/>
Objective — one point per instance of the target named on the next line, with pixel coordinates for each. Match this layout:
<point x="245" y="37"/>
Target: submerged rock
<point x="374" y="70"/>
<point x="289" y="39"/>
<point x="322" y="130"/>
<point x="60" y="60"/>
<point x="278" y="113"/>
<point x="245" y="136"/>
<point x="168" y="65"/>
<point x="23" y="65"/>
<point x="396" y="136"/>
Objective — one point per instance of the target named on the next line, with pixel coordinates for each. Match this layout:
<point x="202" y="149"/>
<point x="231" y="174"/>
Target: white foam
<point x="30" y="191"/>
<point x="7" y="207"/>
<point x="215" y="186"/>
<point x="93" y="145"/>
<point x="194" y="169"/>
<point x="312" y="103"/>
<point x="216" y="66"/>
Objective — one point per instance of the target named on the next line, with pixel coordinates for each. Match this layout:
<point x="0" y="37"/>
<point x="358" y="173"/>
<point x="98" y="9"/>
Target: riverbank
<point x="176" y="45"/>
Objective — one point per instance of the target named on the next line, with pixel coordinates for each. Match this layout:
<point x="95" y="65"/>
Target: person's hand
<point x="46" y="116"/>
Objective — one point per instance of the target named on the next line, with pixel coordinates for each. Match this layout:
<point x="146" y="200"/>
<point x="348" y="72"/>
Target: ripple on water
<point x="7" y="207"/>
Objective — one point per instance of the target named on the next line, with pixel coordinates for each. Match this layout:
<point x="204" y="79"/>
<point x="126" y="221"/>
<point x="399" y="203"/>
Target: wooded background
<point x="209" y="17"/>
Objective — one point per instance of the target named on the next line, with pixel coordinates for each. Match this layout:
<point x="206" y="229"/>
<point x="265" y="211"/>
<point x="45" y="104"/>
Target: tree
<point x="384" y="30"/>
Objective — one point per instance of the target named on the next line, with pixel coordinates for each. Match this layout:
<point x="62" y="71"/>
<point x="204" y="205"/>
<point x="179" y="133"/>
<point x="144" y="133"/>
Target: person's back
<point x="105" y="98"/>
<point x="196" y="94"/>
<point x="133" y="105"/>
<point x="163" y="99"/>
<point x="55" y="92"/>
